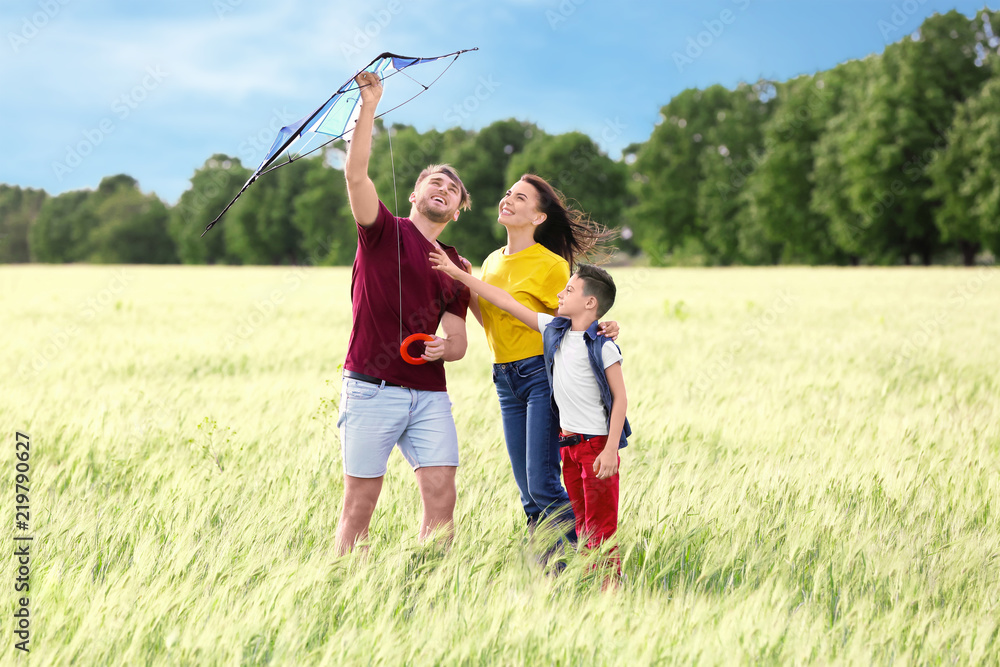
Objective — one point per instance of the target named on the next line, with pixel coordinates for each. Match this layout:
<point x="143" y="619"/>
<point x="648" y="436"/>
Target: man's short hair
<point x="598" y="283"/>
<point x="465" y="201"/>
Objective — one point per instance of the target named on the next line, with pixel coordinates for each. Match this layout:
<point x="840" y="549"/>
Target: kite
<point x="335" y="118"/>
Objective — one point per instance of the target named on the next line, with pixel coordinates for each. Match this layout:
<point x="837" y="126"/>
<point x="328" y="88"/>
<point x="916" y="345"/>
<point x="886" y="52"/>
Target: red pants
<point x="595" y="501"/>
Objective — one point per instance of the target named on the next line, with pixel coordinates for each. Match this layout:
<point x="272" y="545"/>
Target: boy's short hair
<point x="598" y="283"/>
<point x="465" y="201"/>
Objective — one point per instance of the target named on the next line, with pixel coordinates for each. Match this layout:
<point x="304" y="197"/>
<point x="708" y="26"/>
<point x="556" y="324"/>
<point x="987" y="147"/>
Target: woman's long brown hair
<point x="568" y="232"/>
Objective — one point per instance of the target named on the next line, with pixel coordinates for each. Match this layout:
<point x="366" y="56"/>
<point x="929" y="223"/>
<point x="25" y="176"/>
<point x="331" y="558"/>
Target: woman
<point x="544" y="237"/>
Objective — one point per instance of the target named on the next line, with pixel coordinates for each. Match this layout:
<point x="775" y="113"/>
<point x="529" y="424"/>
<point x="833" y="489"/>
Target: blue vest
<point x="552" y="337"/>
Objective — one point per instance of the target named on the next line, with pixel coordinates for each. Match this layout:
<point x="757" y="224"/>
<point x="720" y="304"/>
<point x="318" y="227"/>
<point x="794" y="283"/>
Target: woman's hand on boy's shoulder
<point x="608" y="329"/>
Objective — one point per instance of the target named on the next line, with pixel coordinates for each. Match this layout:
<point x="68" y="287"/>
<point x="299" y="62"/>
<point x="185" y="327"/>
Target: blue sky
<point x="99" y="87"/>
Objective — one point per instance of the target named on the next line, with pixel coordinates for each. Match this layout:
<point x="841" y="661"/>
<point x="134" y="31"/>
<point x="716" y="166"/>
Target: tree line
<point x="885" y="160"/>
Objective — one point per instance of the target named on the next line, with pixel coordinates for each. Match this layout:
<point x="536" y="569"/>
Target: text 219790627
<point x="22" y="540"/>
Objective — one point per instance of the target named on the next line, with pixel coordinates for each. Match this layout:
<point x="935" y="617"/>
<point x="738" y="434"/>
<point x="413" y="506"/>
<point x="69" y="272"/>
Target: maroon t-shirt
<point x="390" y="248"/>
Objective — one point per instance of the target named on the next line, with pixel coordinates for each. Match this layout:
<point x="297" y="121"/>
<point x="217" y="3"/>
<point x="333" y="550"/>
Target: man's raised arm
<point x="360" y="188"/>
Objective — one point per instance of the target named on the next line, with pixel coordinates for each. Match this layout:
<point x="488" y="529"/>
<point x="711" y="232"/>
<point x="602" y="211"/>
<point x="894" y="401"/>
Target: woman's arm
<point x="495" y="295"/>
<point x="473" y="296"/>
<point x="474" y="306"/>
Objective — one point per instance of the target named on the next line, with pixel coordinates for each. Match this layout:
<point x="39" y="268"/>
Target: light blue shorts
<point x="374" y="419"/>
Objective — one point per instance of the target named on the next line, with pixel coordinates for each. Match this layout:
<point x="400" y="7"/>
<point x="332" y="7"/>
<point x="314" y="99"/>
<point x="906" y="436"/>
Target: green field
<point x="814" y="477"/>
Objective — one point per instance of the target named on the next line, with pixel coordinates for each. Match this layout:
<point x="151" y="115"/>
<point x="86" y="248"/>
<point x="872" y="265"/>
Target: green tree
<point x="18" y="211"/>
<point x="575" y="165"/>
<point x="829" y="199"/>
<point x="666" y="171"/>
<point x="888" y="141"/>
<point x="779" y="191"/>
<point x="964" y="175"/>
<point x="731" y="151"/>
<point x="261" y="230"/>
<point x="322" y="215"/>
<point x="114" y="224"/>
<point x="132" y="227"/>
<point x="482" y="161"/>
<point x="62" y="230"/>
<point x="212" y="187"/>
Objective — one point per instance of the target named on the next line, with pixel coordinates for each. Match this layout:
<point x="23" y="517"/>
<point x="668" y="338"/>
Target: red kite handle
<point x="412" y="338"/>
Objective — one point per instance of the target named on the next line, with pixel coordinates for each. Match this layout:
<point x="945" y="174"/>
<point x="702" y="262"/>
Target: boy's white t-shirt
<point x="573" y="383"/>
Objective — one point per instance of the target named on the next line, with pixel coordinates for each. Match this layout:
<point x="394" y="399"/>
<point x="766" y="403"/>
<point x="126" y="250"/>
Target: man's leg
<point x="430" y="444"/>
<point x="360" y="497"/>
<point x="437" y="491"/>
<point x="371" y="421"/>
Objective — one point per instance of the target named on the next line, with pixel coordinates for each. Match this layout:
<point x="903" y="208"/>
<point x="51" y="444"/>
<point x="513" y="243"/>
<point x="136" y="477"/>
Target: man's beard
<point x="423" y="206"/>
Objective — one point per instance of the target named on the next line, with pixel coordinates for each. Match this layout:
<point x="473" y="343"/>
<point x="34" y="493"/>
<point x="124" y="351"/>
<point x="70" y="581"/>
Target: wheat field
<point x="813" y="478"/>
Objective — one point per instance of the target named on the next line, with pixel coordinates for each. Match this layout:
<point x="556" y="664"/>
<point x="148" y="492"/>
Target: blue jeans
<point x="532" y="435"/>
<point x="374" y="419"/>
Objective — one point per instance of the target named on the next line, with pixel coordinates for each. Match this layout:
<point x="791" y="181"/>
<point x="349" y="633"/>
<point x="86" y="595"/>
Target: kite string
<point x="395" y="212"/>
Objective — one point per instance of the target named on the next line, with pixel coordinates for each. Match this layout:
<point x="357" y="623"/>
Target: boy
<point x="588" y="389"/>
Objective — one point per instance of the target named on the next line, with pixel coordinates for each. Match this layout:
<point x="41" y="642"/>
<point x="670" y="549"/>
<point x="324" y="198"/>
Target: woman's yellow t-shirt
<point x="534" y="277"/>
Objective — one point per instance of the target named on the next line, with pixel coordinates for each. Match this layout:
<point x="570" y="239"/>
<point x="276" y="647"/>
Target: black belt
<point x="354" y="375"/>
<point x="574" y="439"/>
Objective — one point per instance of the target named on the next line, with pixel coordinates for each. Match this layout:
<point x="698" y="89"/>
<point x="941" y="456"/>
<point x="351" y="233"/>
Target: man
<point x="386" y="401"/>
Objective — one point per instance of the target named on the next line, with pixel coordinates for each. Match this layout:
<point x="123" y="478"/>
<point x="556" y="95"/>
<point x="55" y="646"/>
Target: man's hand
<point x="452" y="347"/>
<point x="606" y="463"/>
<point x="371" y="88"/>
<point x="433" y="349"/>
